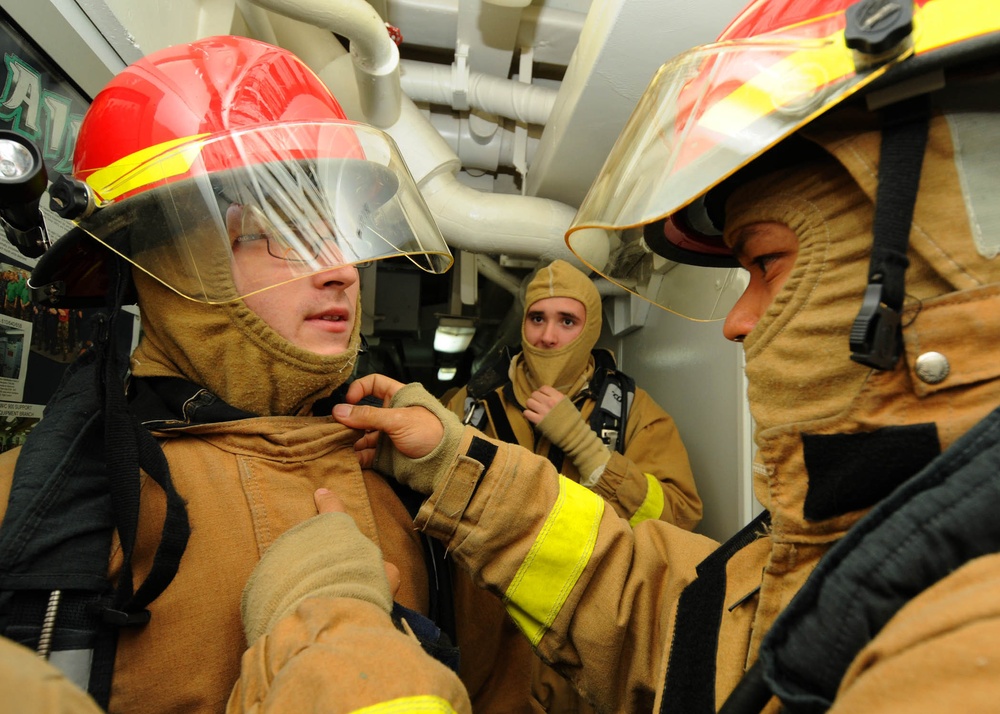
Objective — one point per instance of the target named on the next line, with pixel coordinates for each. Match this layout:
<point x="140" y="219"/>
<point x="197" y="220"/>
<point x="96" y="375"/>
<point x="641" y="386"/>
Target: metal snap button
<point x="932" y="367"/>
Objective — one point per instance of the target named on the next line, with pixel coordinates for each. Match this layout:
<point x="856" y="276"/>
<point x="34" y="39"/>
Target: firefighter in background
<point x="844" y="156"/>
<point x="227" y="176"/>
<point x="549" y="400"/>
<point x="548" y="406"/>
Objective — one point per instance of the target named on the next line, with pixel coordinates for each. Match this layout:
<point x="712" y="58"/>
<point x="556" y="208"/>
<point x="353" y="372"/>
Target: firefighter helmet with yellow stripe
<point x="199" y="145"/>
<point x="725" y="110"/>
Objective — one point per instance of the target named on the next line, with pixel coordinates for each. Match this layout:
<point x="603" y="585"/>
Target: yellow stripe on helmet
<point x="556" y="559"/>
<point x="943" y="22"/>
<point x="800" y="77"/>
<point x="791" y="81"/>
<point x="138" y="169"/>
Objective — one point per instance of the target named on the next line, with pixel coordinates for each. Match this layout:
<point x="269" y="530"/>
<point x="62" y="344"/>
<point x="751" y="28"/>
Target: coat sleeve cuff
<point x="442" y="512"/>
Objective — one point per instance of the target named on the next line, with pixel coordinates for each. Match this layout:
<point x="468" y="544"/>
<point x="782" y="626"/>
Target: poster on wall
<point x="37" y="342"/>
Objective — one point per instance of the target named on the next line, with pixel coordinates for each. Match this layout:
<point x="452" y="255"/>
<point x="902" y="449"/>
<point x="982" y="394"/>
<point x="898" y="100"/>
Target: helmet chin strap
<point x="876" y="336"/>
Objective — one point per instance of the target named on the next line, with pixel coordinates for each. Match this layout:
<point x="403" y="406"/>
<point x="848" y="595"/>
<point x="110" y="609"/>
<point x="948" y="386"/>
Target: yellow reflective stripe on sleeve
<point x="652" y="506"/>
<point x="555" y="561"/>
<point x="410" y="704"/>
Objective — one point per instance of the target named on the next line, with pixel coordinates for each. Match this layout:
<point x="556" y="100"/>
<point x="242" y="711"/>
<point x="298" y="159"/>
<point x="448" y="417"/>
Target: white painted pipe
<point x="474" y="153"/>
<point x="258" y="21"/>
<point x="606" y="288"/>
<point x="552" y="33"/>
<point x="492" y="270"/>
<point x="438" y="84"/>
<point x="374" y="54"/>
<point x="480" y="222"/>
<point x="518" y="226"/>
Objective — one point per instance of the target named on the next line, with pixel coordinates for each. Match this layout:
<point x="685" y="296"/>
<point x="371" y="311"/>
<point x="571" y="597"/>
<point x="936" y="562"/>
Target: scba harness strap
<point x="612" y="390"/>
<point x="76" y="483"/>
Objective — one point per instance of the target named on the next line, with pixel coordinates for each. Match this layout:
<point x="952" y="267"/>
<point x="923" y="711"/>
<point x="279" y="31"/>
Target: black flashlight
<point x="23" y="180"/>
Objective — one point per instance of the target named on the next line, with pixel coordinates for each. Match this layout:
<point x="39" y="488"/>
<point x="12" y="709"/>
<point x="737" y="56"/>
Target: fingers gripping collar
<point x="420" y="474"/>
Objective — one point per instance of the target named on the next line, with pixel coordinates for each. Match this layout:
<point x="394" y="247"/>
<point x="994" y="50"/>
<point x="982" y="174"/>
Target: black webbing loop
<point x="751" y="694"/>
<point x="440" y="586"/>
<point x="129" y="447"/>
<point x="690" y="685"/>
<point x="102" y="666"/>
<point x="876" y="339"/>
<point x="498" y="415"/>
<point x="605" y="374"/>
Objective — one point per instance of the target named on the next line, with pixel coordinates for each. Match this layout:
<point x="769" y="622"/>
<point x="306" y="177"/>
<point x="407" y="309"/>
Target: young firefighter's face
<point x="554" y="322"/>
<point x="768" y="252"/>
<point x="315" y="313"/>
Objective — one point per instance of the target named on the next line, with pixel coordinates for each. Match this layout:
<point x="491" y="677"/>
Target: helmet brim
<point x="315" y="214"/>
<point x="74" y="273"/>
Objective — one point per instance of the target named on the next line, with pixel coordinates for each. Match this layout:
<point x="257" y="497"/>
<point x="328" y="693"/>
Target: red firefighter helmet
<point x="731" y="108"/>
<point x="179" y="138"/>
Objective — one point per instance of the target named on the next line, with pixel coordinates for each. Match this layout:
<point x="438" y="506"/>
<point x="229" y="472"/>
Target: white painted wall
<point x="697" y="376"/>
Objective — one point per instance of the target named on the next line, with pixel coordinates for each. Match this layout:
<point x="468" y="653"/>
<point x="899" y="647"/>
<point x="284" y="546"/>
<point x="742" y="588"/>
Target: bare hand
<point x="329" y="502"/>
<point x="541" y="402"/>
<point x="376" y="385"/>
<point x="414" y="431"/>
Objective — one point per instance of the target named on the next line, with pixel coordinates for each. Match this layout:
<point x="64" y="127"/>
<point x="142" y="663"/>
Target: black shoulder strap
<point x="441" y="608"/>
<point x="613" y="392"/>
<point x="604" y="360"/>
<point x="56" y="535"/>
<point x="75" y="482"/>
<point x="690" y="685"/>
<point x="492" y="374"/>
<point x="498" y="417"/>
<point x="501" y="424"/>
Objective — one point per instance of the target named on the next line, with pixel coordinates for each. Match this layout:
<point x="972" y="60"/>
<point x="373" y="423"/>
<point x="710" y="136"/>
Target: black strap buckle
<point x="876" y="339"/>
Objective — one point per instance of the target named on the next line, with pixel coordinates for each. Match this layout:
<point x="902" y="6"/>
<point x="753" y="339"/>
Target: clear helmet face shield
<point x="704" y="115"/>
<point x="229" y="215"/>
